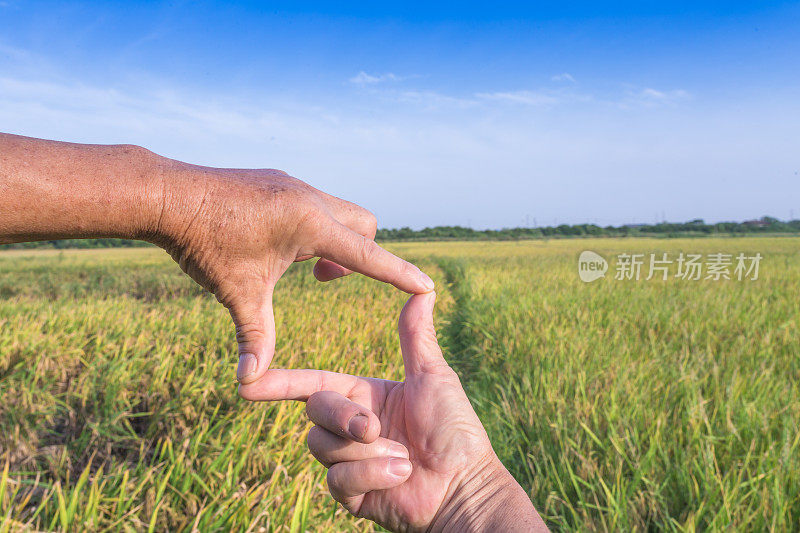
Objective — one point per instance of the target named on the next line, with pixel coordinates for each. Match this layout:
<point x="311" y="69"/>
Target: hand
<point x="233" y="231"/>
<point x="237" y="231"/>
<point x="408" y="455"/>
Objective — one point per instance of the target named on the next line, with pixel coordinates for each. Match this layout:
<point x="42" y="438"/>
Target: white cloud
<point x="650" y="97"/>
<point x="678" y="94"/>
<point x="386" y="150"/>
<point x="227" y="131"/>
<point x="75" y="111"/>
<point x="362" y="78"/>
<point x="530" y="98"/>
<point x="564" y="76"/>
<point x="433" y="99"/>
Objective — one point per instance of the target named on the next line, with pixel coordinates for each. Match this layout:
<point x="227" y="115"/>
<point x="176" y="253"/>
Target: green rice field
<point x="619" y="405"/>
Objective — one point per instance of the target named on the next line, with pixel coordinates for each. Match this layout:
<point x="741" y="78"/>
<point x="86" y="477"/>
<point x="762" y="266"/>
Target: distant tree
<point x="696" y="227"/>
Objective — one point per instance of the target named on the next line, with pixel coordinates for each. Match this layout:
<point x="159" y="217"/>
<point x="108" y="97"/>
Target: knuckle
<point x="138" y="151"/>
<point x="334" y="481"/>
<point x="249" y="333"/>
<point x="299" y="184"/>
<point x="370" y="220"/>
<point x="367" y="250"/>
<point x="442" y="370"/>
<point x="281" y="173"/>
<point x="409" y="270"/>
<point x="310" y="219"/>
<point x="285" y="183"/>
<point x="322" y="408"/>
<point x="421" y="329"/>
<point x="313" y="404"/>
<point x="337" y="417"/>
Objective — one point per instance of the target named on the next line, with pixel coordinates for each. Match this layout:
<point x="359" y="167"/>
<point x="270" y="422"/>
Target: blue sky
<point x="488" y="115"/>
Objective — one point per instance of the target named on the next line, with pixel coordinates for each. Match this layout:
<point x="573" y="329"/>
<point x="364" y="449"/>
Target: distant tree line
<point x="693" y="228"/>
<point x="78" y="243"/>
<point x="664" y="229"/>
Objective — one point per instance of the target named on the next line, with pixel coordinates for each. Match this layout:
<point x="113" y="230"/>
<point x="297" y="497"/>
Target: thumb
<point x="255" y="334"/>
<point x="421" y="351"/>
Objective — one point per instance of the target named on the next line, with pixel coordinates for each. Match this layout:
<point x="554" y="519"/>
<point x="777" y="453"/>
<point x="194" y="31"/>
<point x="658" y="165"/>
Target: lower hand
<point x="408" y="455"/>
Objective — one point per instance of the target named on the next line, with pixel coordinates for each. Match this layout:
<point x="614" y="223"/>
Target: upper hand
<point x="237" y="231"/>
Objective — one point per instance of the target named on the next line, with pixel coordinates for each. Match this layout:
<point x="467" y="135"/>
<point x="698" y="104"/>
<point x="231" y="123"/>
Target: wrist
<point x="170" y="198"/>
<point x="490" y="499"/>
<point x="146" y="186"/>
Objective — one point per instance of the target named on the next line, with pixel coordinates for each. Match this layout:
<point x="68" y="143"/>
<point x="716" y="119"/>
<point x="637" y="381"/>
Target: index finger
<point x="279" y="384"/>
<point x="354" y="217"/>
<point x="345" y="247"/>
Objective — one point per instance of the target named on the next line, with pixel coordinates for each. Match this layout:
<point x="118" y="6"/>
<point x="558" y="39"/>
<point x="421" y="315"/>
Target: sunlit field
<point x="617" y="404"/>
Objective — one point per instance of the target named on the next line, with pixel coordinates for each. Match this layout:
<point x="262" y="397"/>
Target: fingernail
<point x="399" y="467"/>
<point x="427" y="282"/>
<point x="397" y="450"/>
<point x="247" y="366"/>
<point x="358" y="426"/>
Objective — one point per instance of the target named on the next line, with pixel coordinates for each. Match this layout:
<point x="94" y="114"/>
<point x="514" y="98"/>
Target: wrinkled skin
<point x="238" y="231"/>
<point x="424" y="426"/>
<point x="235" y="231"/>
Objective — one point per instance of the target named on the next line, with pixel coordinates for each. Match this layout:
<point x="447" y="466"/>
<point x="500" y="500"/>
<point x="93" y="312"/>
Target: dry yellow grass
<point x="617" y="404"/>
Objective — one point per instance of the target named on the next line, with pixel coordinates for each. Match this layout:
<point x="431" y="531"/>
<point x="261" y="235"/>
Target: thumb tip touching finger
<point x="421" y="351"/>
<point x="247" y="369"/>
<point x="255" y="335"/>
<point x="417" y="311"/>
<point x="415" y="281"/>
<point x="256" y="350"/>
<point x="252" y="365"/>
<point x="427" y="283"/>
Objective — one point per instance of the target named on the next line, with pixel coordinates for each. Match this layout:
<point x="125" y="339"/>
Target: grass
<point x="619" y="405"/>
